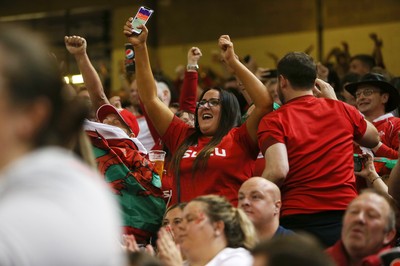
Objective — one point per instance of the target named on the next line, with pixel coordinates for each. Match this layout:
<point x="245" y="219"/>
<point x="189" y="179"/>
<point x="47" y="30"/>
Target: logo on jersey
<point x="193" y="154"/>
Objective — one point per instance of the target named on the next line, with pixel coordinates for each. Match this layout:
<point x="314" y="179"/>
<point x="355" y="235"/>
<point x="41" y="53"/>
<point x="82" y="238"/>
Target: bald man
<point x="260" y="199"/>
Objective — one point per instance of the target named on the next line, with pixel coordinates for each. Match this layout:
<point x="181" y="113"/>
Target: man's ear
<point x="385" y="98"/>
<point x="282" y="81"/>
<point x="278" y="205"/>
<point x="389" y="236"/>
<point x="34" y="116"/>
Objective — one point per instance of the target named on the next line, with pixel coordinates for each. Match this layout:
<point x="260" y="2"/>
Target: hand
<point x="374" y="37"/>
<point x="226" y="47"/>
<point x="168" y="252"/>
<point x="322" y="71"/>
<point x="129" y="244"/>
<point x="324" y="90"/>
<point x="368" y="172"/>
<point x="75" y="45"/>
<point x="133" y="38"/>
<point x="194" y="55"/>
<point x="345" y="46"/>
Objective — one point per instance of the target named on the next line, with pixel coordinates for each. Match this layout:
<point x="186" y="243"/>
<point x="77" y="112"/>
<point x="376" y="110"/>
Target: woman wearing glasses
<point x="218" y="154"/>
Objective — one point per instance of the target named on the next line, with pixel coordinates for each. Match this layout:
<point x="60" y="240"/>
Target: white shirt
<point x="232" y="257"/>
<point x="144" y="134"/>
<point x="112" y="132"/>
<point x="56" y="211"/>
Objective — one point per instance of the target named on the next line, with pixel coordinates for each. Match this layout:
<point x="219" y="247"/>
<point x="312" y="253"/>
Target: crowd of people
<point x="260" y="165"/>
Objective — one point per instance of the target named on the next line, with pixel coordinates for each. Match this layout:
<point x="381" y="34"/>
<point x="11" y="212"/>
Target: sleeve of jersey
<point x="359" y="123"/>
<point x="270" y="132"/>
<point x="387" y="152"/>
<point x="248" y="144"/>
<point x="187" y="99"/>
<point x="176" y="134"/>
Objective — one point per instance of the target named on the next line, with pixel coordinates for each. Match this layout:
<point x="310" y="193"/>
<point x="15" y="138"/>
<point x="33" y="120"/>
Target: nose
<point x="361" y="95"/>
<point x="182" y="225"/>
<point x="361" y="217"/>
<point x="244" y="202"/>
<point x="106" y="121"/>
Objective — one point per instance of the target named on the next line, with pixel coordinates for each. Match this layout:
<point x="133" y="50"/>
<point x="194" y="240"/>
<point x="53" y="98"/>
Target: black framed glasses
<point x="366" y="92"/>
<point x="211" y="102"/>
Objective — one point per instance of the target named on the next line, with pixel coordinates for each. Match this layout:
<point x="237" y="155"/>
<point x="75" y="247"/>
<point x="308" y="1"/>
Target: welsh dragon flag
<point x="132" y="177"/>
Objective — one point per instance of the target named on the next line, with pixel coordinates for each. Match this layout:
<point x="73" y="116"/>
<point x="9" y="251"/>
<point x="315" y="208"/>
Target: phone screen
<point x="141" y="17"/>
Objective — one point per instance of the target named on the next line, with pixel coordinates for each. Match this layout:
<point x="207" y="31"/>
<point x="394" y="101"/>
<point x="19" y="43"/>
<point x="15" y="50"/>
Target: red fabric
<point x="388" y="129"/>
<point x="127" y="117"/>
<point x="318" y="134"/>
<point x="341" y="258"/>
<point x="188" y="96"/>
<point x="231" y="164"/>
<point x="130" y="120"/>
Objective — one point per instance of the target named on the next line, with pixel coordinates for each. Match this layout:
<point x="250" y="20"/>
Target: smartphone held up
<point x="141" y="18"/>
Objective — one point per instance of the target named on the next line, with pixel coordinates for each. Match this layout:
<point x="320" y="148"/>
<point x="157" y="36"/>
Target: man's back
<point x="318" y="135"/>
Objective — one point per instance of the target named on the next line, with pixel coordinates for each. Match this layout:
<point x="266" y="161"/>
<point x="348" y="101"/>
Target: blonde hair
<point x="239" y="230"/>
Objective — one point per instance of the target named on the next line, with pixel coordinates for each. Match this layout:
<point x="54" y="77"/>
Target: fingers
<point x="150" y="250"/>
<point x="224" y="42"/>
<point x="196" y="51"/>
<point x="128" y="27"/>
<point x="75" y="40"/>
<point x="317" y="92"/>
<point x="130" y="243"/>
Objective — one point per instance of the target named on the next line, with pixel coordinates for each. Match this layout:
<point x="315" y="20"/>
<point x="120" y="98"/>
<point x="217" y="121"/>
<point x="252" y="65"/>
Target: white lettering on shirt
<point x="193" y="154"/>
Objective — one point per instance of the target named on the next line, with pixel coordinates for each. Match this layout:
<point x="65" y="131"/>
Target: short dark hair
<point x="304" y="250"/>
<point x="366" y="59"/>
<point x="299" y="68"/>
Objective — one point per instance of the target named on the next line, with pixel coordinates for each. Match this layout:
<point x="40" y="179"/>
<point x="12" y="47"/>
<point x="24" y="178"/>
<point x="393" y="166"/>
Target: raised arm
<point x="188" y="97"/>
<point x="158" y="112"/>
<point x="257" y="91"/>
<point x="76" y="46"/>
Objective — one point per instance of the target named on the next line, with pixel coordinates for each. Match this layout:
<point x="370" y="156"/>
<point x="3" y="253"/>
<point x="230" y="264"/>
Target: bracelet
<point x="372" y="182"/>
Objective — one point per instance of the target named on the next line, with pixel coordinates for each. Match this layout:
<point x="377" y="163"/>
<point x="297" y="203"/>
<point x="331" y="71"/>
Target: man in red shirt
<point x="308" y="146"/>
<point x="375" y="99"/>
<point x="368" y="228"/>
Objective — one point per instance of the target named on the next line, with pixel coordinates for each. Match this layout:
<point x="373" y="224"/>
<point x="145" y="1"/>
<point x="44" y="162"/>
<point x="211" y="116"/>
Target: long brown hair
<point x="230" y="118"/>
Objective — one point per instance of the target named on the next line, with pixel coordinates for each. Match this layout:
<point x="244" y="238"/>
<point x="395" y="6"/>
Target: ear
<point x="385" y="98"/>
<point x="389" y="236"/>
<point x="218" y="228"/>
<point x="282" y="81"/>
<point x="278" y="205"/>
<point x="34" y="117"/>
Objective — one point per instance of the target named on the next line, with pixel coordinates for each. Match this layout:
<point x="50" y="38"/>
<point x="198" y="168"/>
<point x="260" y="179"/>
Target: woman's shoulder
<point x="232" y="256"/>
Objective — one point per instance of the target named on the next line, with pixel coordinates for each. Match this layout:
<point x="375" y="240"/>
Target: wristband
<point x="192" y="67"/>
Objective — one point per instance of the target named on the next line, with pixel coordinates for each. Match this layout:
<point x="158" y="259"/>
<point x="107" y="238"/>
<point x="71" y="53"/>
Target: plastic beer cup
<point x="157" y="157"/>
